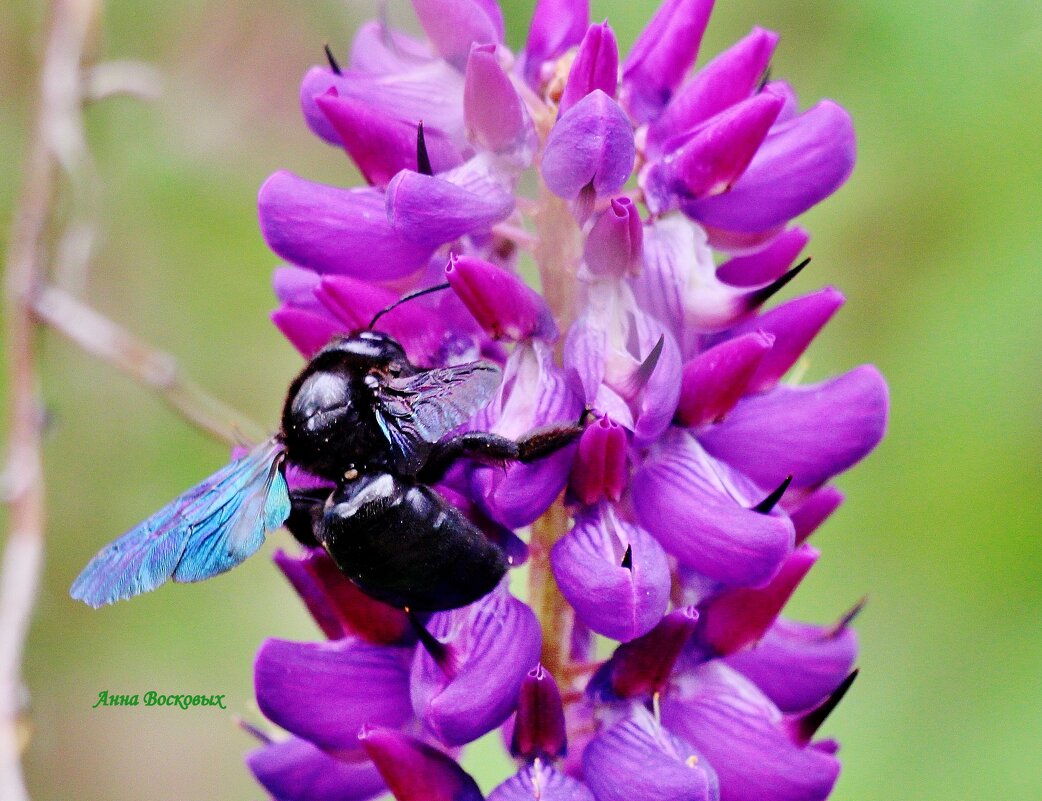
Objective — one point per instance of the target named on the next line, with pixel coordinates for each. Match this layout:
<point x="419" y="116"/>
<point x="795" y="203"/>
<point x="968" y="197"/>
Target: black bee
<point x="361" y="416"/>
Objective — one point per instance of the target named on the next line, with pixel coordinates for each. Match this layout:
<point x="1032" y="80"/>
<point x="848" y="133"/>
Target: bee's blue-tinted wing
<point x="208" y="530"/>
<point x="416" y="411"/>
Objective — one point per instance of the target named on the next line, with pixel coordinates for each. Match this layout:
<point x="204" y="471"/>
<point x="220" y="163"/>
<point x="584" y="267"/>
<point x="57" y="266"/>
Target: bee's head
<point x="362" y="351"/>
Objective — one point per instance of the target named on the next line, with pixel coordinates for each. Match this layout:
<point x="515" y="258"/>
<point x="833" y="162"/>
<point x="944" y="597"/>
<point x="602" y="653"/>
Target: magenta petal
<point x="615" y="244"/>
<point x="296" y="287"/>
<point x="662" y="55"/>
<point x="495" y="117"/>
<point x="810" y="432"/>
<point x="638" y="760"/>
<point x="712" y="158"/>
<point x="295" y="770"/>
<point x="492" y="645"/>
<point x="715" y="380"/>
<point x="454" y="25"/>
<point x="332" y="230"/>
<point x="740" y="731"/>
<point x="500" y="301"/>
<point x="378" y="49"/>
<point x="814" y="511"/>
<point x="596" y="66"/>
<point x="307" y="331"/>
<point x="556" y="26"/>
<point x="729" y="78"/>
<point x="431" y="91"/>
<point x="613" y="573"/>
<point x="739" y="617"/>
<point x="601" y="469"/>
<point x="766" y="264"/>
<point x="802" y="162"/>
<point x="432" y="210"/>
<point x="540" y="782"/>
<point x="591" y="145"/>
<point x="415" y="771"/>
<point x="798" y="665"/>
<point x="539" y="726"/>
<point x="642" y="667"/>
<point x="355" y="302"/>
<point x="381" y="145"/>
<point x="699" y="509"/>
<point x="338" y="606"/>
<point x="793" y="326"/>
<point x="324" y="692"/>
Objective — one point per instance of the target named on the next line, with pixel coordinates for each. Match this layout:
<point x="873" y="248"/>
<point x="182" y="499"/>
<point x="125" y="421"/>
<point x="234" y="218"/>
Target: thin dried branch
<point x="154" y="368"/>
<point x="56" y="139"/>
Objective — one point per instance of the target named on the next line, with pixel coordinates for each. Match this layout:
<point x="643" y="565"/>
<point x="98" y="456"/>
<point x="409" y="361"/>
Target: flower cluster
<point x="656" y="206"/>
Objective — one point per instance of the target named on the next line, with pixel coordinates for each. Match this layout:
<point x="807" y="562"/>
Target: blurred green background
<point x="935" y="241"/>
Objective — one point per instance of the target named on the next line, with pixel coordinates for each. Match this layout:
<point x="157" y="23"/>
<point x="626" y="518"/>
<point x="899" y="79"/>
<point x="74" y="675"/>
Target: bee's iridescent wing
<point x="414" y="412"/>
<point x="206" y="531"/>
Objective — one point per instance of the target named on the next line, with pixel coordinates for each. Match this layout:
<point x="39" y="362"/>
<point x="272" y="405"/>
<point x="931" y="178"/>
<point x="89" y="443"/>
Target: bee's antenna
<point x="418" y="293"/>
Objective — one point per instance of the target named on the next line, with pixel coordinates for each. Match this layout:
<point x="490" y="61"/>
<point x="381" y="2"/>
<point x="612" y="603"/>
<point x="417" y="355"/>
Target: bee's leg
<point x="488" y="448"/>
<point x="306" y="507"/>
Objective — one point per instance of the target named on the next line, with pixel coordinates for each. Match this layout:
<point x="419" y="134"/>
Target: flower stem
<point x="554" y="613"/>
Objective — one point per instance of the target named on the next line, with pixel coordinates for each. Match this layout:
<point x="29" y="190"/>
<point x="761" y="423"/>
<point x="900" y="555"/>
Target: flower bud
<point x="502" y="303"/>
<point x="615" y="243"/>
<point x="600" y="469"/>
<point x="596" y="66"/>
<point x="494" y="115"/>
<point x="539" y="728"/>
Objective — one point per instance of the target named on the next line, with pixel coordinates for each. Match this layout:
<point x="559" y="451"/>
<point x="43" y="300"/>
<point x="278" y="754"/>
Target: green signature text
<point x="152" y="698"/>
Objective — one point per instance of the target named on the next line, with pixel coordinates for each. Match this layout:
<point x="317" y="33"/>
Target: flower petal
<point x="802" y="162"/>
<point x="295" y="770"/>
<point x="715" y="380"/>
<point x="415" y="771"/>
<point x="613" y="573"/>
<point x="431" y="92"/>
<point x="591" y="145"/>
<point x="662" y="55"/>
<point x="766" y="264"/>
<point x="454" y="25"/>
<point x="814" y="511"/>
<point x="324" y="692"/>
<point x="534" y="393"/>
<point x="336" y="603"/>
<point x="713" y="157"/>
<point x="557" y="25"/>
<point x="600" y="469"/>
<point x="332" y="230"/>
<point x="540" y="782"/>
<point x="728" y="79"/>
<point x="797" y="665"/>
<point x="493" y="644"/>
<point x="296" y="287"/>
<point x="615" y="245"/>
<point x="495" y="116"/>
<point x="432" y="210"/>
<point x="380" y="144"/>
<point x="739" y="617"/>
<point x="810" y="432"/>
<point x="307" y="331"/>
<point x="638" y="760"/>
<point x="596" y="66"/>
<point x="740" y="731"/>
<point x="380" y="50"/>
<point x="793" y="326"/>
<point x="699" y="510"/>
<point x="500" y="301"/>
<point x="539" y="726"/>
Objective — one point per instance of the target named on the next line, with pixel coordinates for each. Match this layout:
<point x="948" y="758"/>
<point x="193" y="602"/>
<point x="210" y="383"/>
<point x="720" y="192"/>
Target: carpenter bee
<point x="379" y="429"/>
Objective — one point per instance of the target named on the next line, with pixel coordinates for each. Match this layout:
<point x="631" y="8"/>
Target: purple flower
<point x="656" y="203"/>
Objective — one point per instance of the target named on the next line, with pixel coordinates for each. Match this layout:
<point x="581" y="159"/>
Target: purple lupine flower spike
<point x="649" y="452"/>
